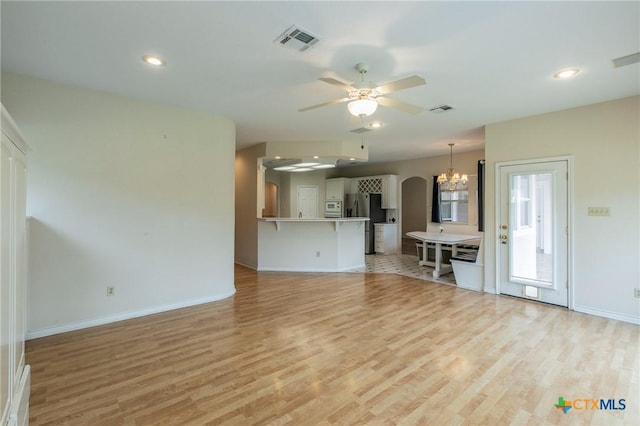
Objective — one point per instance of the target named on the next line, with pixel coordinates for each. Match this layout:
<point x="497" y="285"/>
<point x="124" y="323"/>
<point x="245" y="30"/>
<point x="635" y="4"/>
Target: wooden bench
<point x="447" y="251"/>
<point x="468" y="268"/>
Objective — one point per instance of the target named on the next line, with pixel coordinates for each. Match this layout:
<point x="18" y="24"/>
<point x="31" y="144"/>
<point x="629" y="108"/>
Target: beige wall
<point x="122" y="193"/>
<point x="604" y="141"/>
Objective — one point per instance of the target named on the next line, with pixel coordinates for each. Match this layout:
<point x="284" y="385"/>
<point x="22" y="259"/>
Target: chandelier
<point x="449" y="180"/>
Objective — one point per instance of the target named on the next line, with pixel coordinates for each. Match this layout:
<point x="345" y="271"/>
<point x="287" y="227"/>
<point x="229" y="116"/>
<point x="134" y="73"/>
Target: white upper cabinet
<point x="389" y="191"/>
<point x="336" y="188"/>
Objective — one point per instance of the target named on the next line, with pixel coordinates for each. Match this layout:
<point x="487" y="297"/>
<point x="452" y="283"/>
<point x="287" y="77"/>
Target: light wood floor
<point x="352" y="348"/>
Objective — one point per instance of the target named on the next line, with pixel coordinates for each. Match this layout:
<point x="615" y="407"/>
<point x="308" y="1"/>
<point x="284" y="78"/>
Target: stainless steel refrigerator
<point x="367" y="205"/>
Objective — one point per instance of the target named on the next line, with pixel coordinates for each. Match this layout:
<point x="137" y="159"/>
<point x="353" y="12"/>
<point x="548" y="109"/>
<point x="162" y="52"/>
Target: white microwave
<point x="333" y="209"/>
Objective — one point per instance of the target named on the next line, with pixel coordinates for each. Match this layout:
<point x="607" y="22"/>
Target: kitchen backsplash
<point x="392" y="215"/>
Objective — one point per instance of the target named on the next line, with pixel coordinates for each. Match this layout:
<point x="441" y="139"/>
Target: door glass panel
<point x="531" y="218"/>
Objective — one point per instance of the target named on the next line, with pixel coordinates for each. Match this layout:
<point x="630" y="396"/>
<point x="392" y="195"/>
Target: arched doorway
<point x="414" y="211"/>
<point x="270" y="200"/>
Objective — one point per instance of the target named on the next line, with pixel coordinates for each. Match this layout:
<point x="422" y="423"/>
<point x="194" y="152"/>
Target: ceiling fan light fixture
<point x="362" y="107"/>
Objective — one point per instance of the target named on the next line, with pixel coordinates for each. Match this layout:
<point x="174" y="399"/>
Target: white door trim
<point x="497" y="218"/>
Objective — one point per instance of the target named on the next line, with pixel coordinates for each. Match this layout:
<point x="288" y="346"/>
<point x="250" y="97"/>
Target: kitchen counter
<point x="336" y="221"/>
<point x="313" y="219"/>
<point x="311" y="245"/>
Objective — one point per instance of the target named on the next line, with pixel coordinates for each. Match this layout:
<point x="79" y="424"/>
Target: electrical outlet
<point x="317" y="254"/>
<point x="636" y="292"/>
<point x="598" y="211"/>
<point x="111" y="291"/>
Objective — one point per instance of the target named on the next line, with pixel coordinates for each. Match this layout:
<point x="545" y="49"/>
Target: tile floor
<point x="402" y="264"/>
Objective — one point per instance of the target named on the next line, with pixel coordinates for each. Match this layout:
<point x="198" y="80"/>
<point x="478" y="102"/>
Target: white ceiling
<point x="491" y="61"/>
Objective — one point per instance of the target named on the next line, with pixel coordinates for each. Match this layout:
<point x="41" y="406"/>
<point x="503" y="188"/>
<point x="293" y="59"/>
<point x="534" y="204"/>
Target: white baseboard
<point x="245" y="265"/>
<point x="607" y="314"/>
<point x="479" y="289"/>
<point x="34" y="334"/>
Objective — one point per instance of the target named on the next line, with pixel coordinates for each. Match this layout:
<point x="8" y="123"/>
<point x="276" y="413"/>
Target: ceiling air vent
<point x="297" y="38"/>
<point x="360" y="130"/>
<point x="626" y="60"/>
<point x="441" y="108"/>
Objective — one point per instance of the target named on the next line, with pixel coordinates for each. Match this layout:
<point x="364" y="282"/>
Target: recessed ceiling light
<point x="302" y="169"/>
<point x="566" y="73"/>
<point x="304" y="164"/>
<point x="153" y="60"/>
<point x="352" y="159"/>
<point x="375" y="125"/>
<point x="284" y="168"/>
<point x="315" y="157"/>
<point x="324" y="166"/>
<point x="278" y="157"/>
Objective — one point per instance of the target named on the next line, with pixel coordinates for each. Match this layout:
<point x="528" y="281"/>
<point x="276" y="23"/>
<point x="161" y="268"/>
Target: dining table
<point x="438" y="239"/>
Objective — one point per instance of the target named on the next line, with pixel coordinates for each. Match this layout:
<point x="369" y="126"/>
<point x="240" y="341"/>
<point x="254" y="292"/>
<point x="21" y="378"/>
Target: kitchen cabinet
<point x="386" y="238"/>
<point x="387" y="185"/>
<point x="336" y="188"/>
<point x="389" y="191"/>
<point x="14" y="375"/>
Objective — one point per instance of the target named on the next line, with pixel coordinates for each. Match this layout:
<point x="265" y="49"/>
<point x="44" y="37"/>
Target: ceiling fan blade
<point x="337" y="83"/>
<point x="402" y="84"/>
<point x="334" y="102"/>
<point x="392" y="103"/>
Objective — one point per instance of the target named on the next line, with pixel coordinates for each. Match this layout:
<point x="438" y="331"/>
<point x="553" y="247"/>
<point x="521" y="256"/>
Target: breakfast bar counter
<point x="311" y="245"/>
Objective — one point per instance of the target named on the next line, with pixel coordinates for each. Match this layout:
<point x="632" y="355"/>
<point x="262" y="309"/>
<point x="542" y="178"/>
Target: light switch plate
<point x="599" y="211"/>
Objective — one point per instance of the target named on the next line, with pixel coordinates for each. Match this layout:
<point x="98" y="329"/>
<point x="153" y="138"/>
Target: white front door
<point x="307" y="202"/>
<point x="533" y="231"/>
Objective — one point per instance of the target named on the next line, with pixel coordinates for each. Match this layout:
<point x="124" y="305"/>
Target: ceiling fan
<point x="365" y="96"/>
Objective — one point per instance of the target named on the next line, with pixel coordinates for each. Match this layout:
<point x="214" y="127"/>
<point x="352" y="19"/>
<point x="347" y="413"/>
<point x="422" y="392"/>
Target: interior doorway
<point x="270" y="200"/>
<point x="307" y="202"/>
<point x="414" y="211"/>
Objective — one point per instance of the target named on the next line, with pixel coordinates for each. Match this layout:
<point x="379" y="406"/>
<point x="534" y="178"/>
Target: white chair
<point x="468" y="268"/>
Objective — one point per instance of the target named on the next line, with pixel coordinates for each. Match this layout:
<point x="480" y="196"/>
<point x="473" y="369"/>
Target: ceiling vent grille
<point x="360" y="130"/>
<point x="626" y="60"/>
<point x="441" y="108"/>
<point x="297" y="38"/>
